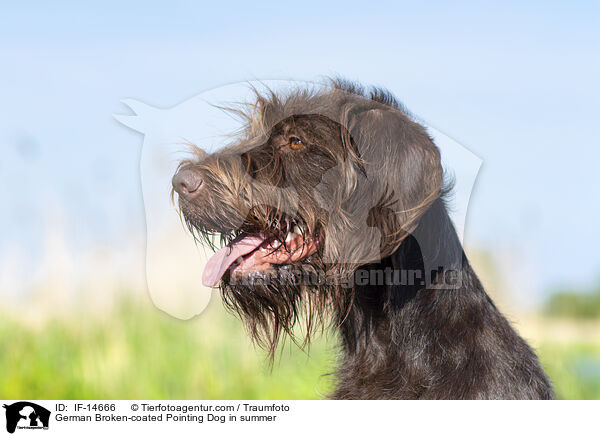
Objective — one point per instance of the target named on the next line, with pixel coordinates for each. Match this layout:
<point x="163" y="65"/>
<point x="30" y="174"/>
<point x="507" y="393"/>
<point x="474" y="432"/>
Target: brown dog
<point x="330" y="205"/>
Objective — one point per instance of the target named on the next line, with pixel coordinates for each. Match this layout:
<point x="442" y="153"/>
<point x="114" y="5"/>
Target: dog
<point x="330" y="207"/>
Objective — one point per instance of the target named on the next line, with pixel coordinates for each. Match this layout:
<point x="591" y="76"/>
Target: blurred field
<point x="573" y="368"/>
<point x="134" y="351"/>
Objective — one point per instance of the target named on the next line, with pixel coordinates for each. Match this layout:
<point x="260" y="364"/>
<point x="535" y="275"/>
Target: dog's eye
<point x="296" y="143"/>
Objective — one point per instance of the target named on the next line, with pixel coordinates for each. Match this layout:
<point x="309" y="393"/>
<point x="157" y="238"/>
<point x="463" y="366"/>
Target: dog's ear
<point x="403" y="171"/>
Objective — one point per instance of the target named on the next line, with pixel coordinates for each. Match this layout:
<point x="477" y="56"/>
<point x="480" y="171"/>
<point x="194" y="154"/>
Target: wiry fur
<point x="369" y="187"/>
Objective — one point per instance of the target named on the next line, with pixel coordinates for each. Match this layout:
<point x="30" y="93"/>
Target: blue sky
<point x="515" y="83"/>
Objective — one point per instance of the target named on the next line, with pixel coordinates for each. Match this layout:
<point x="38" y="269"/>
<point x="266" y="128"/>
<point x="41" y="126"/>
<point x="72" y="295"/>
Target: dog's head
<point x="316" y="185"/>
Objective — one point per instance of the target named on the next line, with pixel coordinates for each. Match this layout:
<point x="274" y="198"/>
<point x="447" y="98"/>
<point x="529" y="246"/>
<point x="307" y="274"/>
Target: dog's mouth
<point x="288" y="242"/>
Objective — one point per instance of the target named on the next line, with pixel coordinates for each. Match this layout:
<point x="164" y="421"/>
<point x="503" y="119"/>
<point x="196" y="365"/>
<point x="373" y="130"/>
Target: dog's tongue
<point x="222" y="259"/>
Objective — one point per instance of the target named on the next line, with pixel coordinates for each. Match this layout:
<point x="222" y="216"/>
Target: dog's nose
<point x="187" y="182"/>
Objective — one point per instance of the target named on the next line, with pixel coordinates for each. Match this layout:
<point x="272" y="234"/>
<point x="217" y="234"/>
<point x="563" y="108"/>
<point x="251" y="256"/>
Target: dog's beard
<point x="271" y="303"/>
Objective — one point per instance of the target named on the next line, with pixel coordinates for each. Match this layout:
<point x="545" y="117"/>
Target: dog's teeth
<point x="296" y="230"/>
<point x="276" y="243"/>
<point x="289" y="237"/>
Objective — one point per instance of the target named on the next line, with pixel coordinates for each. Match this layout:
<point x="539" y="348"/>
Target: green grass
<point x="137" y="352"/>
<point x="573" y="368"/>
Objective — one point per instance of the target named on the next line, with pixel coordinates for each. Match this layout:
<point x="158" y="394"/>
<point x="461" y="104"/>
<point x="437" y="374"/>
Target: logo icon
<point x="26" y="415"/>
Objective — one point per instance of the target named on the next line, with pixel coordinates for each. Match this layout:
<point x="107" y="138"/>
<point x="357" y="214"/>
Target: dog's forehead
<point x="300" y="122"/>
<point x="273" y="110"/>
<point x="284" y="126"/>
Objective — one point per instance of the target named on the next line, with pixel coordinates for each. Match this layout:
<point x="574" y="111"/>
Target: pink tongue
<point x="222" y="259"/>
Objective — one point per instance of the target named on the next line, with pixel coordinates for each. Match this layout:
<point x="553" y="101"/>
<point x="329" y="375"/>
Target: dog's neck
<point x="386" y="330"/>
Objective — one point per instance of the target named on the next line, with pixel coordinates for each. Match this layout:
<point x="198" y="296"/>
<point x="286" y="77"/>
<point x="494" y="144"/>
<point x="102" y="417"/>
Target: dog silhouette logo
<point x="26" y="415"/>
